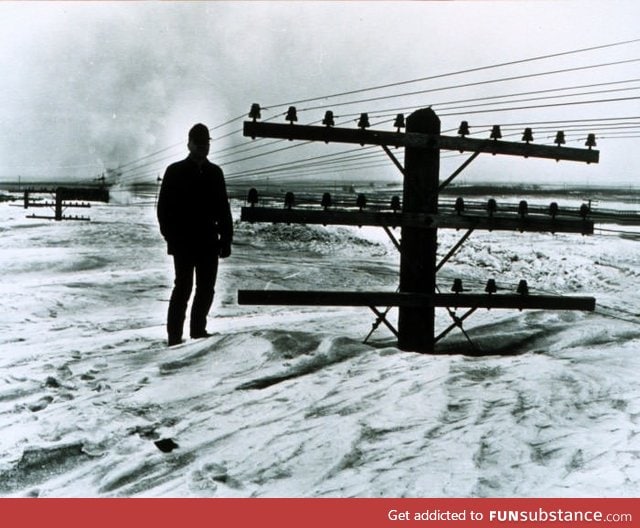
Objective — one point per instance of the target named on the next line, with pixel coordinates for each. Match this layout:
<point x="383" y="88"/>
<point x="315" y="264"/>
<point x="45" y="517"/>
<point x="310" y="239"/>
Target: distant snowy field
<point x="288" y="401"/>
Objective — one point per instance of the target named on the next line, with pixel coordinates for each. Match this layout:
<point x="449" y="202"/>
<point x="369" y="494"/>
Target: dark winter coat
<point x="193" y="208"/>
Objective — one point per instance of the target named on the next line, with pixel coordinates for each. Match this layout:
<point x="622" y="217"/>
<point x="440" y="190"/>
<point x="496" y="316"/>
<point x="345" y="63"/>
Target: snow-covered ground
<point x="288" y="401"/>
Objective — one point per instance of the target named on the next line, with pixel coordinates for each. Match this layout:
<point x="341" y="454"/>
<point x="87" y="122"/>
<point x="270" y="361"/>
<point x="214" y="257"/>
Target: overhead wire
<point x="470" y="70"/>
<point x="460" y="72"/>
<point x="619" y="137"/>
<point x="385" y="112"/>
<point x="131" y="173"/>
<point x="593" y="121"/>
<point x="475" y="83"/>
<point x="584" y="120"/>
<point x="266" y="153"/>
<point x="134" y="172"/>
<point x="296" y="161"/>
<point x="293" y="163"/>
<point x="120" y="167"/>
<point x="347" y="167"/>
<point x="445" y="106"/>
<point x="302" y="164"/>
<point x="534" y="107"/>
<point x="147" y="156"/>
<point x="348" y="153"/>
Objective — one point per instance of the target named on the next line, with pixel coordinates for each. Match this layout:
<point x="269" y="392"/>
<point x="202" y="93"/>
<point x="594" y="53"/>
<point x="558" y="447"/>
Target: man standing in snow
<point x="195" y="220"/>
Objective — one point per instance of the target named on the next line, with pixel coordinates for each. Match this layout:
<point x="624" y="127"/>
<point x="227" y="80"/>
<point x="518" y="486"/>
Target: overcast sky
<point x="86" y="86"/>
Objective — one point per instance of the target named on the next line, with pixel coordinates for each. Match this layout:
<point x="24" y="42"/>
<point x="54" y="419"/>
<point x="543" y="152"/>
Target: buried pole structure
<point x="62" y="197"/>
<point x="417" y="295"/>
<point x="416" y="325"/>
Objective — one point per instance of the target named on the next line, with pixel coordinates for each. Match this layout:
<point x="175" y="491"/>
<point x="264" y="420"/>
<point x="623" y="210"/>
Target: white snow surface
<point x="288" y="401"/>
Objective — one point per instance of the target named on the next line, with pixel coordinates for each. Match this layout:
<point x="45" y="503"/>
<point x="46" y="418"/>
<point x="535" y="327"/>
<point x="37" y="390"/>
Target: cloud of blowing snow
<point x="96" y="86"/>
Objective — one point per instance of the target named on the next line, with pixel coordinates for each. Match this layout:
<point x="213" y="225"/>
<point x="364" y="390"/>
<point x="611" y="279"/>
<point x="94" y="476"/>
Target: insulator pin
<point x="523" y="208"/>
<point x="254" y="113"/>
<point x="252" y="196"/>
<point x="399" y="122"/>
<point x="289" y="200"/>
<point x="363" y="122"/>
<point x="292" y="115"/>
<point x="492" y="206"/>
<point x="523" y="287"/>
<point x="585" y="210"/>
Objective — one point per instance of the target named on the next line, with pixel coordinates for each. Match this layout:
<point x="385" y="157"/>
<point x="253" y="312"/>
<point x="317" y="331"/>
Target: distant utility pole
<point x="62" y="195"/>
<point x="420" y="218"/>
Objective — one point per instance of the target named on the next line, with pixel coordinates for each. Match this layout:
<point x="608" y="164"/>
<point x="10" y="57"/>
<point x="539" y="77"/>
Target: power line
<point x="476" y="83"/>
<point x="296" y="145"/>
<point x="569" y="103"/>
<point x="517" y="108"/>
<point x="531" y="123"/>
<point x="424" y="91"/>
<point x="126" y="172"/>
<point x="619" y="137"/>
<point x="245" y="148"/>
<point x="334" y="155"/>
<point x="293" y="146"/>
<point x="459" y="72"/>
<point x="270" y="152"/>
<point x="384" y="112"/>
<point x="149" y="155"/>
<point x="228" y="122"/>
<point x="297" y="165"/>
<point x="218" y="138"/>
<point x="546" y="97"/>
<point x="317" y="171"/>
<point x="298" y="162"/>
<point x="137" y="168"/>
<point x="594" y="128"/>
<point x="337" y="158"/>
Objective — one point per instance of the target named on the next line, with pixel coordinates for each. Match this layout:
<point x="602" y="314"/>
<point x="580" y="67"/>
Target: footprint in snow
<point x="40" y="404"/>
<point x="213" y="474"/>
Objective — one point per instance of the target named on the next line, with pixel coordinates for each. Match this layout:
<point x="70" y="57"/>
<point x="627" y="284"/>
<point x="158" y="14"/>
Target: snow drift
<point x="288" y="401"/>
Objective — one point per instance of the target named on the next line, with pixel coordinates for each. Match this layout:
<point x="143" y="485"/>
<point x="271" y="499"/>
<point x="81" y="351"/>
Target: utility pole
<point x="419" y="219"/>
<point x="61" y="197"/>
<point x="418" y="256"/>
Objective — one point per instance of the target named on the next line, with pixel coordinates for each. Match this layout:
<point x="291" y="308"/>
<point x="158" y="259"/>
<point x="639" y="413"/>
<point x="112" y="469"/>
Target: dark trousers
<point x="205" y="268"/>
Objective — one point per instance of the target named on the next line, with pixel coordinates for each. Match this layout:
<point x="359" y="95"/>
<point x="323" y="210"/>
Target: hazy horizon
<point x="92" y="86"/>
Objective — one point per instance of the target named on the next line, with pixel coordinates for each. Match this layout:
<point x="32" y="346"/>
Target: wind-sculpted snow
<point x="288" y="401"/>
<point x="333" y="350"/>
<point x="329" y="240"/>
